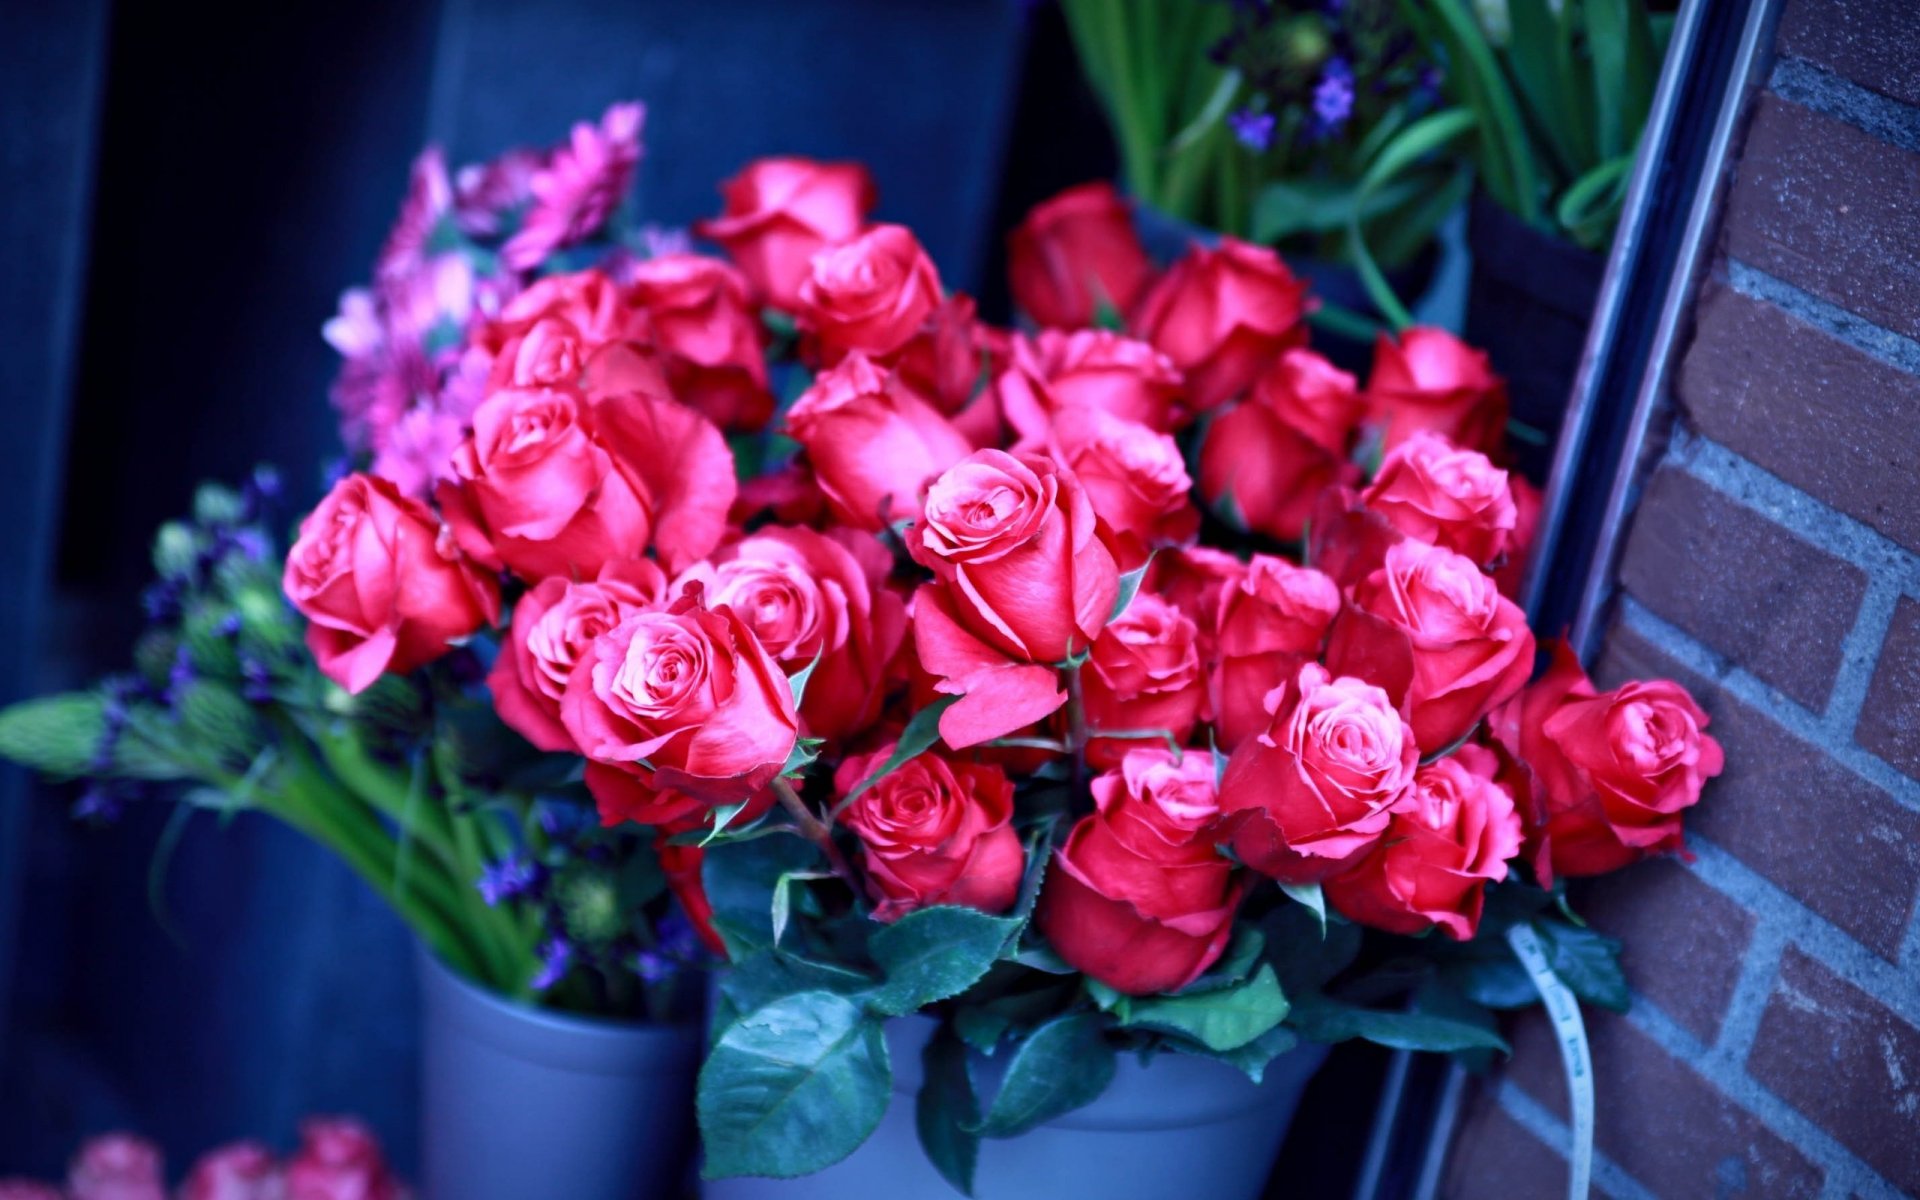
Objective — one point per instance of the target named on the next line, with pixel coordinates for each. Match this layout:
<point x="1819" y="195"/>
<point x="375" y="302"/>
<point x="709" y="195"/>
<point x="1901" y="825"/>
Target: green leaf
<point x="793" y="1087"/>
<point x="1039" y="853"/>
<point x="1587" y="961"/>
<point x="1305" y="956"/>
<point x="1224" y="1019"/>
<point x="798" y="680"/>
<point x="1129" y="588"/>
<point x="921" y="732"/>
<point x="936" y="953"/>
<point x="717" y="822"/>
<point x="1252" y="1058"/>
<point x="1210" y="114"/>
<point x="946" y="1110"/>
<point x="768" y="975"/>
<point x="739" y="879"/>
<point x="1064" y="1064"/>
<point x="782" y="910"/>
<point x="1310" y="895"/>
<point x="1326" y="1020"/>
<point x="1243" y="953"/>
<point x="54" y="735"/>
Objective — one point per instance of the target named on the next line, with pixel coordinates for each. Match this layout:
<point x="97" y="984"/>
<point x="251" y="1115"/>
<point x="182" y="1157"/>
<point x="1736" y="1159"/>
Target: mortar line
<point x="1740" y="1024"/>
<point x="1814" y="87"/>
<point x="1538" y="1120"/>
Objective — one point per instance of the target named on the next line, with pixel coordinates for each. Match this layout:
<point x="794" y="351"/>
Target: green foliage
<point x="54" y="735"/>
<point x="1065" y="1064"/>
<point x="919" y="735"/>
<point x="1325" y="1020"/>
<point x="740" y="878"/>
<point x="1223" y="1019"/>
<point x="946" y="1111"/>
<point x="217" y="724"/>
<point x="1587" y="961"/>
<point x="1129" y="588"/>
<point x="936" y="953"/>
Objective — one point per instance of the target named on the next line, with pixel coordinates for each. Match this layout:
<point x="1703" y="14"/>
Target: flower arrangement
<point x="1136" y="681"/>
<point x="338" y="1159"/>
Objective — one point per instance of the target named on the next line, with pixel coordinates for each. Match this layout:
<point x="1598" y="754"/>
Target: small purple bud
<point x="1254" y="130"/>
<point x="1333" y="96"/>
<point x="556" y="958"/>
<point x="508" y="879"/>
<point x="180" y="677"/>
<point x="97" y="805"/>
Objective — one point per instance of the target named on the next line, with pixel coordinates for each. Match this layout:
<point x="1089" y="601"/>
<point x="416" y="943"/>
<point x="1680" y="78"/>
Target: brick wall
<point x="1773" y="565"/>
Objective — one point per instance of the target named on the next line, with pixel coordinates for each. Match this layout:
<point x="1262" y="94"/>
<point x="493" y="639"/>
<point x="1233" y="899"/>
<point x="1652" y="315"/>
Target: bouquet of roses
<point x="338" y="1159"/>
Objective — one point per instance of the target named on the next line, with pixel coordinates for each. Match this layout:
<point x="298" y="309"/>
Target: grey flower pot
<point x="520" y="1103"/>
<point x="1177" y="1128"/>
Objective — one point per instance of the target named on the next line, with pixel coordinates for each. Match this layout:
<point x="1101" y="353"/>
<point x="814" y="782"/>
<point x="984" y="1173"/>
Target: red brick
<point x="1682" y="941"/>
<point x="1889" y="723"/>
<point x="1872" y="42"/>
<point x="1494" y="1158"/>
<point x="1773" y="603"/>
<point x="1846" y="1061"/>
<point x="1830" y="420"/>
<point x="1838" y="844"/>
<point x="1659" y="1120"/>
<point x="1830" y="209"/>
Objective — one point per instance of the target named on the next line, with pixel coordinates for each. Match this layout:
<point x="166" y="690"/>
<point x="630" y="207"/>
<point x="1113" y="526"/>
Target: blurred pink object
<point x="116" y="1166"/>
<point x="27" y="1189"/>
<point x="240" y="1171"/>
<point x="339" y="1160"/>
<point x="578" y="189"/>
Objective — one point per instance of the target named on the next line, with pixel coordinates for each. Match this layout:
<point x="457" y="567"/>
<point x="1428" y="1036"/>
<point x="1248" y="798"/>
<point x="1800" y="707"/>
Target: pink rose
<point x="549" y="484"/>
<point x="1074" y="253"/>
<point x="568" y="330"/>
<point x="1023" y="581"/>
<point x="934" y="831"/>
<point x="678" y="710"/>
<point x="873" y="443"/>
<point x="1432" y="491"/>
<point x="1192" y="578"/>
<point x="705" y="328"/>
<point x="339" y="1159"/>
<point x="812" y="598"/>
<point x="116" y="1166"/>
<point x="945" y="360"/>
<point x="1449" y="837"/>
<point x="1224" y="315"/>
<point x="381" y="589"/>
<point x="871" y="294"/>
<point x="241" y="1171"/>
<point x="1307" y="797"/>
<point x="1135" y="478"/>
<point x="1436" y="633"/>
<point x="1088" y="369"/>
<point x="780" y="212"/>
<point x="553" y="625"/>
<point x="1431" y="380"/>
<point x="1144" y="674"/>
<point x="1268" y="622"/>
<point x="1266" y="461"/>
<point x="1314" y="398"/>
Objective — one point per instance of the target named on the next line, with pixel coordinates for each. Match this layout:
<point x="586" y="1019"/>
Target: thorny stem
<point x="814" y="830"/>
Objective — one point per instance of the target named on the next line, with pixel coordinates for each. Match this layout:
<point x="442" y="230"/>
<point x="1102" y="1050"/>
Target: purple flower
<point x="579" y="186"/>
<point x="653" y="967"/>
<point x="556" y="958"/>
<point x="511" y="877"/>
<point x="98" y="805"/>
<point x="1333" y="96"/>
<point x="1253" y="129"/>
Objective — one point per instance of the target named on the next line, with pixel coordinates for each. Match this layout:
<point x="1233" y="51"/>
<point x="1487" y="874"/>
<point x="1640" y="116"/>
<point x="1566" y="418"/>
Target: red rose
<point x="571" y="330"/>
<point x="873" y="443"/>
<point x="1088" y="369"/>
<point x="681" y="865"/>
<point x="339" y="1159"/>
<point x="548" y="484"/>
<point x="241" y="1171"/>
<point x="678" y="709"/>
<point x="1192" y="578"/>
<point x="1436" y="633"/>
<point x="780" y="212"/>
<point x="1135" y="478"/>
<point x="811" y="600"/>
<point x="1268" y="621"/>
<point x="933" y="831"/>
<point x="1450" y="837"/>
<point x="116" y="1166"/>
<point x="1603" y="778"/>
<point x="1432" y="380"/>
<point x="1309" y="796"/>
<point x="1313" y="398"/>
<point x="1144" y="673"/>
<point x="1074" y="253"/>
<point x="1264" y="474"/>
<point x="1023" y="581"/>
<point x="871" y="294"/>
<point x="1512" y="572"/>
<point x="553" y="625"/>
<point x="1138" y="897"/>
<point x="705" y="328"/>
<point x="1432" y="491"/>
<point x="946" y="359"/>
<point x="380" y="588"/>
<point x="1223" y="315"/>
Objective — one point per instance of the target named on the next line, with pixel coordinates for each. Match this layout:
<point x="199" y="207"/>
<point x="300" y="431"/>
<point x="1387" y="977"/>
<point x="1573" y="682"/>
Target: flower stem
<point x="1077" y="728"/>
<point x="814" y="830"/>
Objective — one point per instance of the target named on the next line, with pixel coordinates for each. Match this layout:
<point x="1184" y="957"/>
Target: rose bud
<point x="681" y="866"/>
<point x="1144" y="674"/>
<point x="705" y="328"/>
<point x="933" y="831"/>
<point x="1224" y="315"/>
<point x="871" y="294"/>
<point x="873" y="443"/>
<point x="382" y="591"/>
<point x="1437" y="634"/>
<point x="1310" y="795"/>
<point x="1432" y="491"/>
<point x="1024" y="581"/>
<point x="1262" y="474"/>
<point x="1088" y="369"/>
<point x="553" y="625"/>
<point x="1138" y="897"/>
<point x="682" y="701"/>
<point x="1431" y="380"/>
<point x="1450" y="837"/>
<point x="242" y="1171"/>
<point x="1135" y="478"/>
<point x="1313" y="398"/>
<point x="1272" y="618"/>
<point x="116" y="1166"/>
<point x="811" y="601"/>
<point x="1074" y="254"/>
<point x="1602" y="778"/>
<point x="339" y="1159"/>
<point x="565" y="330"/>
<point x="780" y="212"/>
<point x="548" y="484"/>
